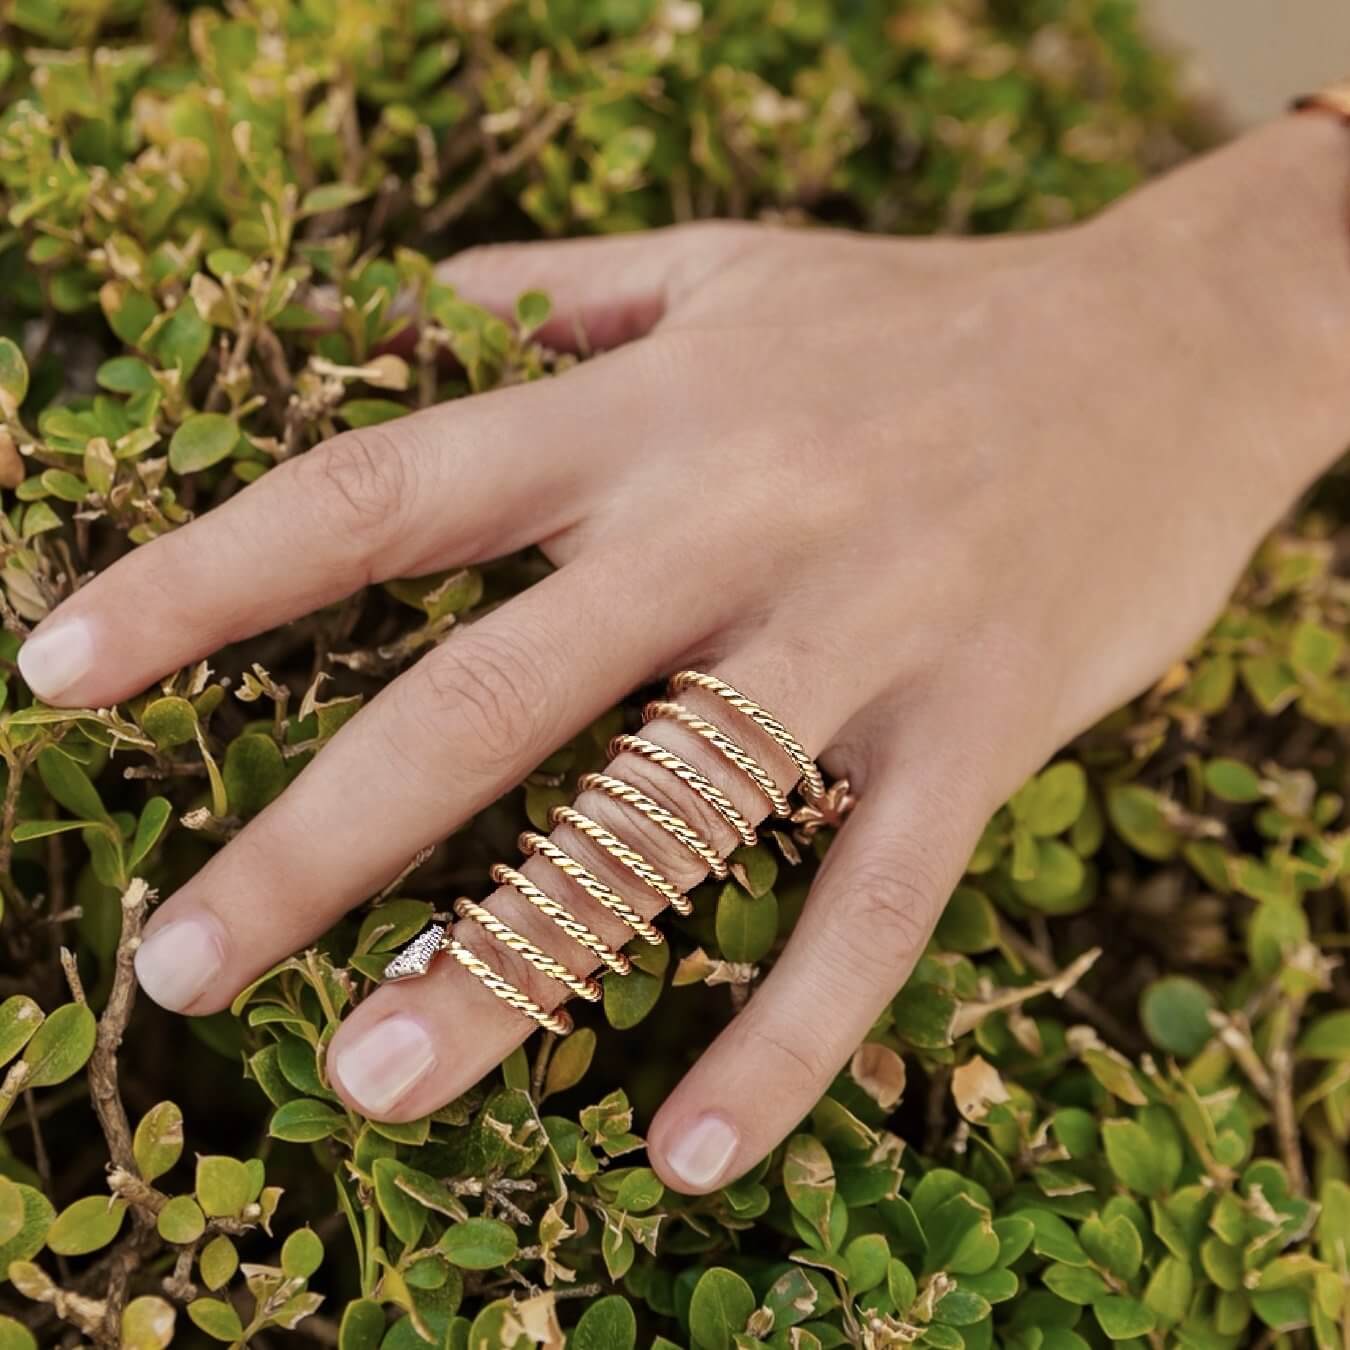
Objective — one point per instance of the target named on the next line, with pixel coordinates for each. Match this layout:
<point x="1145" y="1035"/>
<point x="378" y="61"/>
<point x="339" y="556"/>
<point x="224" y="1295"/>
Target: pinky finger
<point x="870" y="914"/>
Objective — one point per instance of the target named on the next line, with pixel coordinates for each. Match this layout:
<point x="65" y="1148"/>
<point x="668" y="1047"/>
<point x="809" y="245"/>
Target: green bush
<point x="1113" y="1102"/>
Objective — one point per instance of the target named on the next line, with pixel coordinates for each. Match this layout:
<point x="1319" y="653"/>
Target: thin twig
<point x="1083" y="1004"/>
<point x="498" y="166"/>
<point x="106" y="1096"/>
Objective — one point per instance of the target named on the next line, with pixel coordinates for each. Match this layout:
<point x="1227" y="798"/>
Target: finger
<point x="884" y="883"/>
<point x="410" y="1047"/>
<point x="451" y="485"/>
<point x="470" y="719"/>
<point x="605" y="291"/>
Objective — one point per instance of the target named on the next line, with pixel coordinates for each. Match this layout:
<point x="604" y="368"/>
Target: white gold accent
<point x="415" y="959"/>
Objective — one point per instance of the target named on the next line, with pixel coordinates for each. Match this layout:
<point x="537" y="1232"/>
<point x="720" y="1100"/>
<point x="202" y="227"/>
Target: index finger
<point x="450" y="485"/>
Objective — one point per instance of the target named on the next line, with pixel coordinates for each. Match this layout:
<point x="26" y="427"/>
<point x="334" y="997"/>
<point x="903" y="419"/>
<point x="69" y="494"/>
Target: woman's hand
<point x="938" y="505"/>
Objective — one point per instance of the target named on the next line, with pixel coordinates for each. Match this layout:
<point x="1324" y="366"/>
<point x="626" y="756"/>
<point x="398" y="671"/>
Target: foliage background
<point x="1113" y="1102"/>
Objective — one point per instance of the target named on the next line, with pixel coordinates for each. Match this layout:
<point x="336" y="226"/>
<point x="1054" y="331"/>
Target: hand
<point x="938" y="505"/>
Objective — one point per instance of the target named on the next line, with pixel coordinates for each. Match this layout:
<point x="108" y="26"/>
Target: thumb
<point x="605" y="291"/>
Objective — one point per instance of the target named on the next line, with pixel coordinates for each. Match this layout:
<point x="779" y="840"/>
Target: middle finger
<point x="449" y="736"/>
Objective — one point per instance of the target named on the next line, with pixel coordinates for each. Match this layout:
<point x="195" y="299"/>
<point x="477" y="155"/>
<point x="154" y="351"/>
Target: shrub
<point x="1112" y="1103"/>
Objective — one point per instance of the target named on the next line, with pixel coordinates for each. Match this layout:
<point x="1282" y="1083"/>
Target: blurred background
<point x="1253" y="55"/>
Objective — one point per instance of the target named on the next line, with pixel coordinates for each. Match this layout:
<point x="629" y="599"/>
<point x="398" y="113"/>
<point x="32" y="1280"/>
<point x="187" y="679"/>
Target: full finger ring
<point x="416" y="958"/>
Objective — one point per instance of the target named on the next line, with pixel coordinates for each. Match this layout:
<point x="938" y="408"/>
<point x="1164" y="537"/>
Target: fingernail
<point x="702" y="1152"/>
<point x="56" y="656"/>
<point x="380" y="1065"/>
<point x="177" y="962"/>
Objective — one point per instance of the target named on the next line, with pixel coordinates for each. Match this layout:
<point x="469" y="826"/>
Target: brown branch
<point x="103" y="1089"/>
<point x="106" y="1095"/>
<point x="498" y="166"/>
<point x="1284" y="1117"/>
<point x="1083" y="1004"/>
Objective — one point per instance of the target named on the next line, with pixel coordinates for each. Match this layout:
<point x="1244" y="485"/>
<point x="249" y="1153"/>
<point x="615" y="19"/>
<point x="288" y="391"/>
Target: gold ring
<point x="588" y="989"/>
<point x="813" y="784"/>
<point x="821" y="808"/>
<point x="725" y="746"/>
<point x="676" y="826"/>
<point x="629" y="857"/>
<point x="691" y="778"/>
<point x="560" y="914"/>
<point x="556" y="1021"/>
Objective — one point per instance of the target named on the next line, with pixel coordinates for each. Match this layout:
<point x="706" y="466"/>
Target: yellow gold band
<point x="416" y="957"/>
<point x="813" y="784"/>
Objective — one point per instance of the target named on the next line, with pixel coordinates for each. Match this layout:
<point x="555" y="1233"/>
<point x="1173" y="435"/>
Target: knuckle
<point x="360" y="480"/>
<point x="793" y="1043"/>
<point x="892" y="902"/>
<point x="490" y="696"/>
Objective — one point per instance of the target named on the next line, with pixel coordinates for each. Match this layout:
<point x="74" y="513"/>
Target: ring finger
<point x="411" y="1046"/>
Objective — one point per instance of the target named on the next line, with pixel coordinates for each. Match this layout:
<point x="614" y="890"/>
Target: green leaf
<point x="44" y="829"/>
<point x="148" y="1323"/>
<point x="720" y="1308"/>
<point x="154" y="819"/>
<point x="181" y="1220"/>
<point x="1327" y="1037"/>
<point x="478" y="1244"/>
<point x="304" y="1120"/>
<point x="169" y="721"/>
<point x="202" y="440"/>
<point x="37" y="1216"/>
<point x="369" y="412"/>
<point x="86" y="1225"/>
<point x="61" y="1046"/>
<point x="331" y="197"/>
<point x="746" y="928"/>
<point x="1058" y="884"/>
<point x="70" y="786"/>
<point x="1135" y="1159"/>
<point x="301" y="1254"/>
<point x="639" y="1189"/>
<point x="607" y="1324"/>
<point x="11" y="1210"/>
<point x="867" y="1258"/>
<point x="1114" y="1244"/>
<point x="362" y="1325"/>
<point x="1051" y="802"/>
<point x="969" y="924"/>
<point x="1122" y="1318"/>
<point x="15" y="1336"/>
<point x="1168" y="1295"/>
<point x="808" y="1179"/>
<point x="13" y="377"/>
<point x="570" y="1060"/>
<point x="1076" y="1284"/>
<point x="183" y="341"/>
<point x="1233" y="781"/>
<point x="1315" y="650"/>
<point x="218" y="1261"/>
<point x="223" y="1186"/>
<point x="924" y="1013"/>
<point x="1175" y="1013"/>
<point x="158" y="1142"/>
<point x="401" y="1212"/>
<point x="126" y="375"/>
<point x="629" y="998"/>
<point x="1140" y="816"/>
<point x="254" y="773"/>
<point x="532" y="311"/>
<point x="20" y="1018"/>
<point x="217" y="1318"/>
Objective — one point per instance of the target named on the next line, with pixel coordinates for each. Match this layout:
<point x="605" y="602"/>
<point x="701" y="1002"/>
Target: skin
<point x="937" y="504"/>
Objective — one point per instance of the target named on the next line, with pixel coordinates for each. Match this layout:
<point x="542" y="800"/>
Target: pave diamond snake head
<point x="416" y="958"/>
